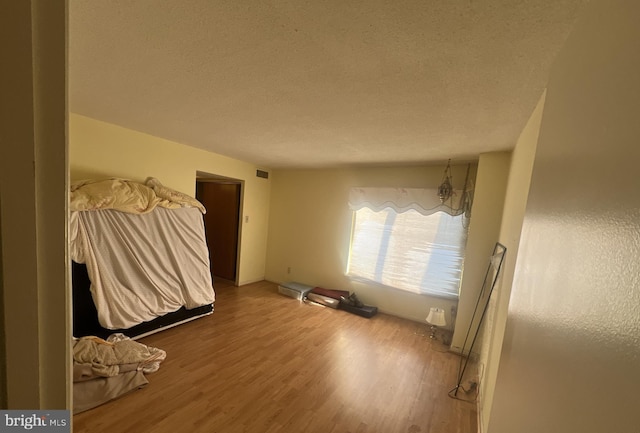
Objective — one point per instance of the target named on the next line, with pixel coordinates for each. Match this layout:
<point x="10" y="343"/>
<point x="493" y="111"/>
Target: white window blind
<point x="400" y="247"/>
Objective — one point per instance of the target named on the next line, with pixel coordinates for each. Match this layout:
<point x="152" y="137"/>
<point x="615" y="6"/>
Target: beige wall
<point x="484" y="229"/>
<point x="33" y="198"/>
<point x="513" y="214"/>
<point x="310" y="230"/>
<point x="571" y="348"/>
<point x="98" y="150"/>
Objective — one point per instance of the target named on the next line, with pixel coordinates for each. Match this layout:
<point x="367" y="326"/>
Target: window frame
<point x="439" y="293"/>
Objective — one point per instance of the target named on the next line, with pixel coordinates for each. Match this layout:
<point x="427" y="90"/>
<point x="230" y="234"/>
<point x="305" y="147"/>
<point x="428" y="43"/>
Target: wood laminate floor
<point x="265" y="363"/>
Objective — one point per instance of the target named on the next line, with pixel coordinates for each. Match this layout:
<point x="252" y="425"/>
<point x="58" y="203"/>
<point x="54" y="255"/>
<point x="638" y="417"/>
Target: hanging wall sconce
<point x="445" y="190"/>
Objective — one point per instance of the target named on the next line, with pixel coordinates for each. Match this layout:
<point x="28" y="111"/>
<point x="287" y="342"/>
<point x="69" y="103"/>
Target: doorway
<point x="222" y="198"/>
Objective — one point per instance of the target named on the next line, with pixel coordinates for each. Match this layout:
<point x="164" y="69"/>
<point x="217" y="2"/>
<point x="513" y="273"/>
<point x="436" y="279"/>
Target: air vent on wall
<point x="262" y="174"/>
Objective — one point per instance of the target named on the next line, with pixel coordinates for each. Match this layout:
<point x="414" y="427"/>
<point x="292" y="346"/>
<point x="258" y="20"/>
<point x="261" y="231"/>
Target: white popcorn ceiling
<point x="319" y="83"/>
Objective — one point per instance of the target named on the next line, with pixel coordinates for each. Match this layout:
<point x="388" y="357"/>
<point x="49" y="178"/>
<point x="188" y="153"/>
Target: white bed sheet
<point x="142" y="266"/>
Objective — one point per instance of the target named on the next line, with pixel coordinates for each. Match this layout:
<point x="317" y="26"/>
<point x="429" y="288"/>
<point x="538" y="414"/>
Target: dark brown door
<point x="222" y="201"/>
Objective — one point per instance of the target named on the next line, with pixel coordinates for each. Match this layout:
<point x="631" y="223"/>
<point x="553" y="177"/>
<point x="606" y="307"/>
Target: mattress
<point x="142" y="266"/>
<point x="85" y="315"/>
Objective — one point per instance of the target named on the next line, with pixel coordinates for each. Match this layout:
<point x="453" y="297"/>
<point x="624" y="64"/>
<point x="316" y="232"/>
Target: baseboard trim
<point x="244" y="283"/>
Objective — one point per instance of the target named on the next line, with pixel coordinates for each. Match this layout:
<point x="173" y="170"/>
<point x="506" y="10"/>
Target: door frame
<point x="202" y="176"/>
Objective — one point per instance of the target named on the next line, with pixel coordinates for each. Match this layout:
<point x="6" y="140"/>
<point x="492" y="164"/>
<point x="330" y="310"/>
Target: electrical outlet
<point x="288" y="270"/>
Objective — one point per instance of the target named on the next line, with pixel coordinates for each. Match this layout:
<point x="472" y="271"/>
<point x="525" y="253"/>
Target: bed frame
<point x="85" y="315"/>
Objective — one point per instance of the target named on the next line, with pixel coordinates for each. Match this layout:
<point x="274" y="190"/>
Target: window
<point x="406" y="246"/>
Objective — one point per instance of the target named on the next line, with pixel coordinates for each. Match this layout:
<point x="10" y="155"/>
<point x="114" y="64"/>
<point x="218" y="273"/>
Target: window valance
<point x="423" y="200"/>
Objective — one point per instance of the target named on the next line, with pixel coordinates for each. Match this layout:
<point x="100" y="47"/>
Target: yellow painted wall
<point x="98" y="150"/>
<point x="310" y="229"/>
<point x="36" y="325"/>
<point x="571" y="350"/>
<point x="512" y="217"/>
<point x="484" y="231"/>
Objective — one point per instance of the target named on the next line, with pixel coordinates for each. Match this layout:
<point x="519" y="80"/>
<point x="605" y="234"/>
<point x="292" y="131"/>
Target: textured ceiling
<point x="295" y="83"/>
